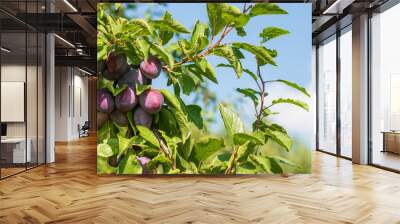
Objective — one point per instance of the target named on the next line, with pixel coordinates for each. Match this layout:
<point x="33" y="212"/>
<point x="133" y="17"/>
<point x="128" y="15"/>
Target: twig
<point x="261" y="87"/>
<point x="164" y="148"/>
<point x="232" y="160"/>
<point x="227" y="29"/>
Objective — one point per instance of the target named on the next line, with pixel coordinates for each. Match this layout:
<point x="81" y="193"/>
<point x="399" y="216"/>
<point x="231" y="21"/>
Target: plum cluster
<point x="144" y="106"/>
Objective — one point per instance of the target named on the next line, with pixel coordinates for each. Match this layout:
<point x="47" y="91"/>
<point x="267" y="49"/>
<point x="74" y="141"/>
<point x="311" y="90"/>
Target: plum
<point x="143" y="162"/>
<point x="151" y="101"/>
<point x="151" y="67"/>
<point x="113" y="161"/>
<point x="116" y="66"/>
<point x="101" y="119"/>
<point x="126" y="100"/>
<point x="105" y="101"/>
<point x="119" y="118"/>
<point x="141" y="117"/>
<point x="132" y="77"/>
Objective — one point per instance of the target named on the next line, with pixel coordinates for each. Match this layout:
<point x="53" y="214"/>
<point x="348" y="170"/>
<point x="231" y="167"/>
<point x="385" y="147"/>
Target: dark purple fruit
<point x="151" y="68"/>
<point x="151" y="101"/>
<point x="143" y="162"/>
<point x="141" y="117"/>
<point x="119" y="118"/>
<point x="101" y="119"/>
<point x="132" y="77"/>
<point x="126" y="100"/>
<point x="113" y="161"/>
<point x="105" y="101"/>
<point x="116" y="66"/>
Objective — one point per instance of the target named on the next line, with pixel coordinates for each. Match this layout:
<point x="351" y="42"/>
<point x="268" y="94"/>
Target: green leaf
<point x="275" y="166"/>
<point x="185" y="47"/>
<point x="282" y="160"/>
<point x="101" y="53"/>
<point x="129" y="165"/>
<point x="241" y="32"/>
<point x="252" y="74"/>
<point x="109" y="85"/>
<point x="232" y="122"/>
<point x="266" y="112"/>
<point x="206" y="69"/>
<point x="199" y="38"/>
<point x="293" y="85"/>
<point x="260" y="52"/>
<point x="148" y="135"/>
<point x="244" y="151"/>
<point x="269" y="33"/>
<point x="295" y="102"/>
<point x="103" y="167"/>
<point x="164" y="55"/>
<point x="232" y="14"/>
<point x="141" y="88"/>
<point x="242" y="138"/>
<point x="104" y="150"/>
<point x="187" y="84"/>
<point x="167" y="122"/>
<point x="206" y="147"/>
<point x="166" y="35"/>
<point x="105" y="131"/>
<point x="146" y="28"/>
<point x="217" y="165"/>
<point x="179" y="110"/>
<point x="129" y="115"/>
<point x="170" y="24"/>
<point x="231" y="56"/>
<point x="187" y="167"/>
<point x="266" y="9"/>
<point x="124" y="144"/>
<point x="172" y="100"/>
<point x="160" y="160"/>
<point x="246" y="168"/>
<point x="185" y="149"/>
<point x="263" y="162"/>
<point x="251" y="93"/>
<point x="214" y="11"/>
<point x="183" y="123"/>
<point x="281" y="138"/>
<point x="196" y="70"/>
<point x="143" y="46"/>
<point x="194" y="112"/>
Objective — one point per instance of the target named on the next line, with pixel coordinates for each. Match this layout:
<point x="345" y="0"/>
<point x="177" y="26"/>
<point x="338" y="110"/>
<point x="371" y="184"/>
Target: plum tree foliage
<point x="143" y="130"/>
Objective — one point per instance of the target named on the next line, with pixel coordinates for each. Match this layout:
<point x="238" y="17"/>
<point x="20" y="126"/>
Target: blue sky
<point x="294" y="59"/>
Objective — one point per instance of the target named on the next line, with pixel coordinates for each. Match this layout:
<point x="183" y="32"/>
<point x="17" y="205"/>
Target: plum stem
<point x="164" y="148"/>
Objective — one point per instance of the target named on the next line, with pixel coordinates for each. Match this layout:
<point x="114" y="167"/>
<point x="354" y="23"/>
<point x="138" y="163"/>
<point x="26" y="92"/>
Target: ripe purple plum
<point x="132" y="77"/>
<point x="105" y="101"/>
<point x="119" y="118"/>
<point x="113" y="161"/>
<point x="127" y="100"/>
<point x="151" y="101"/>
<point x="116" y="66"/>
<point x="151" y="67"/>
<point x="141" y="117"/>
<point x="101" y="119"/>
